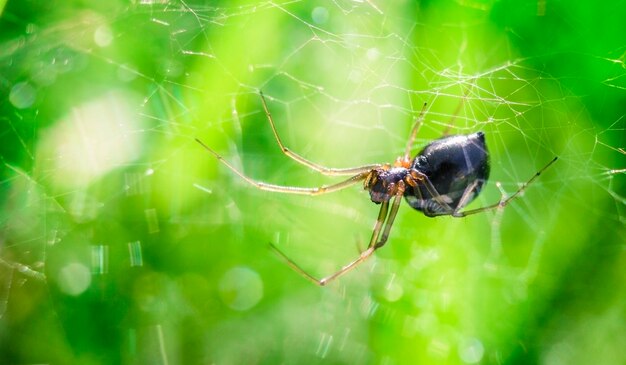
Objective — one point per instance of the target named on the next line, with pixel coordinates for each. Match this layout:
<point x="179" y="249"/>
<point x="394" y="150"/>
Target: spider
<point x="441" y="180"/>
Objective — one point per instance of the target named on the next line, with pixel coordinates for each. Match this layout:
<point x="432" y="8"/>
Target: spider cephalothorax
<point x="441" y="180"/>
<point x="384" y="183"/>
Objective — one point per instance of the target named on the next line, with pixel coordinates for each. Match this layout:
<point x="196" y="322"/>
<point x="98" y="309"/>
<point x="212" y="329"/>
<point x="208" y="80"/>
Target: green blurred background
<point x="123" y="241"/>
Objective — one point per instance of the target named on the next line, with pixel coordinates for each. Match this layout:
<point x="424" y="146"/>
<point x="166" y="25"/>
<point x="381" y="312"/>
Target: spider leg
<point x="312" y="165"/>
<point x="390" y="219"/>
<point x="375" y="243"/>
<point x="382" y="214"/>
<point x="380" y="220"/>
<point x="467" y="194"/>
<point x="503" y="203"/>
<point x="414" y="130"/>
<point x="433" y="192"/>
<point x="324" y="189"/>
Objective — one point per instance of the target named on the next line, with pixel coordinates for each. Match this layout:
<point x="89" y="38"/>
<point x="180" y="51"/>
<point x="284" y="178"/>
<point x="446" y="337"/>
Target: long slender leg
<point x="390" y="219"/>
<point x="465" y="198"/>
<point x="370" y="250"/>
<point x="312" y="165"/>
<point x="414" y="130"/>
<point x="380" y="220"/>
<point x="433" y="193"/>
<point x="382" y="214"/>
<point x="290" y="189"/>
<point x="502" y="203"/>
<point x="375" y="243"/>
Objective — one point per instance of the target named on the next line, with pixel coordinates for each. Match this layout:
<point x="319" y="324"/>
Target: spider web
<point x="123" y="241"/>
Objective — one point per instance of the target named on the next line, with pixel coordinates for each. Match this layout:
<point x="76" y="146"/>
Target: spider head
<point x="383" y="183"/>
<point x="454" y="165"/>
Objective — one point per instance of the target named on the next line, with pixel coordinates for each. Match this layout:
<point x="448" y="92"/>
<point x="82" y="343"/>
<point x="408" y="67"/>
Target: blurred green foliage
<point x="123" y="241"/>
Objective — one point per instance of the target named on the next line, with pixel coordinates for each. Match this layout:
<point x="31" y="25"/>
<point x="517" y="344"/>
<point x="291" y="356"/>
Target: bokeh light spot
<point x="319" y="15"/>
<point x="22" y="95"/>
<point x="373" y="54"/>
<point x="91" y="140"/>
<point x="102" y="36"/>
<point x="394" y="291"/>
<point x="471" y="350"/>
<point x="241" y="288"/>
<point x="74" y="278"/>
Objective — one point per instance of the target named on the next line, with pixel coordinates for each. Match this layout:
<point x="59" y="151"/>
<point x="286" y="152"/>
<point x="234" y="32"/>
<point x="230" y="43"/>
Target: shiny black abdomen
<point x="452" y="164"/>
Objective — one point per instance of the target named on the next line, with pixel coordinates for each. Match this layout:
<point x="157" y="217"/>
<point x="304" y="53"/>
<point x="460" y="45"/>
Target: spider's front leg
<point x="324" y="189"/>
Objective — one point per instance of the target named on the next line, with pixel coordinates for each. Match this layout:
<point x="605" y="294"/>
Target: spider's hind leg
<point x="504" y="202"/>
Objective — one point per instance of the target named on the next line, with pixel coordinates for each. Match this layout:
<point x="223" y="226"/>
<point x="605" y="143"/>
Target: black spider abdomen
<point x="452" y="164"/>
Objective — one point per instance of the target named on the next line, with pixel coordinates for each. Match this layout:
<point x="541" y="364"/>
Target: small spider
<point x="441" y="180"/>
